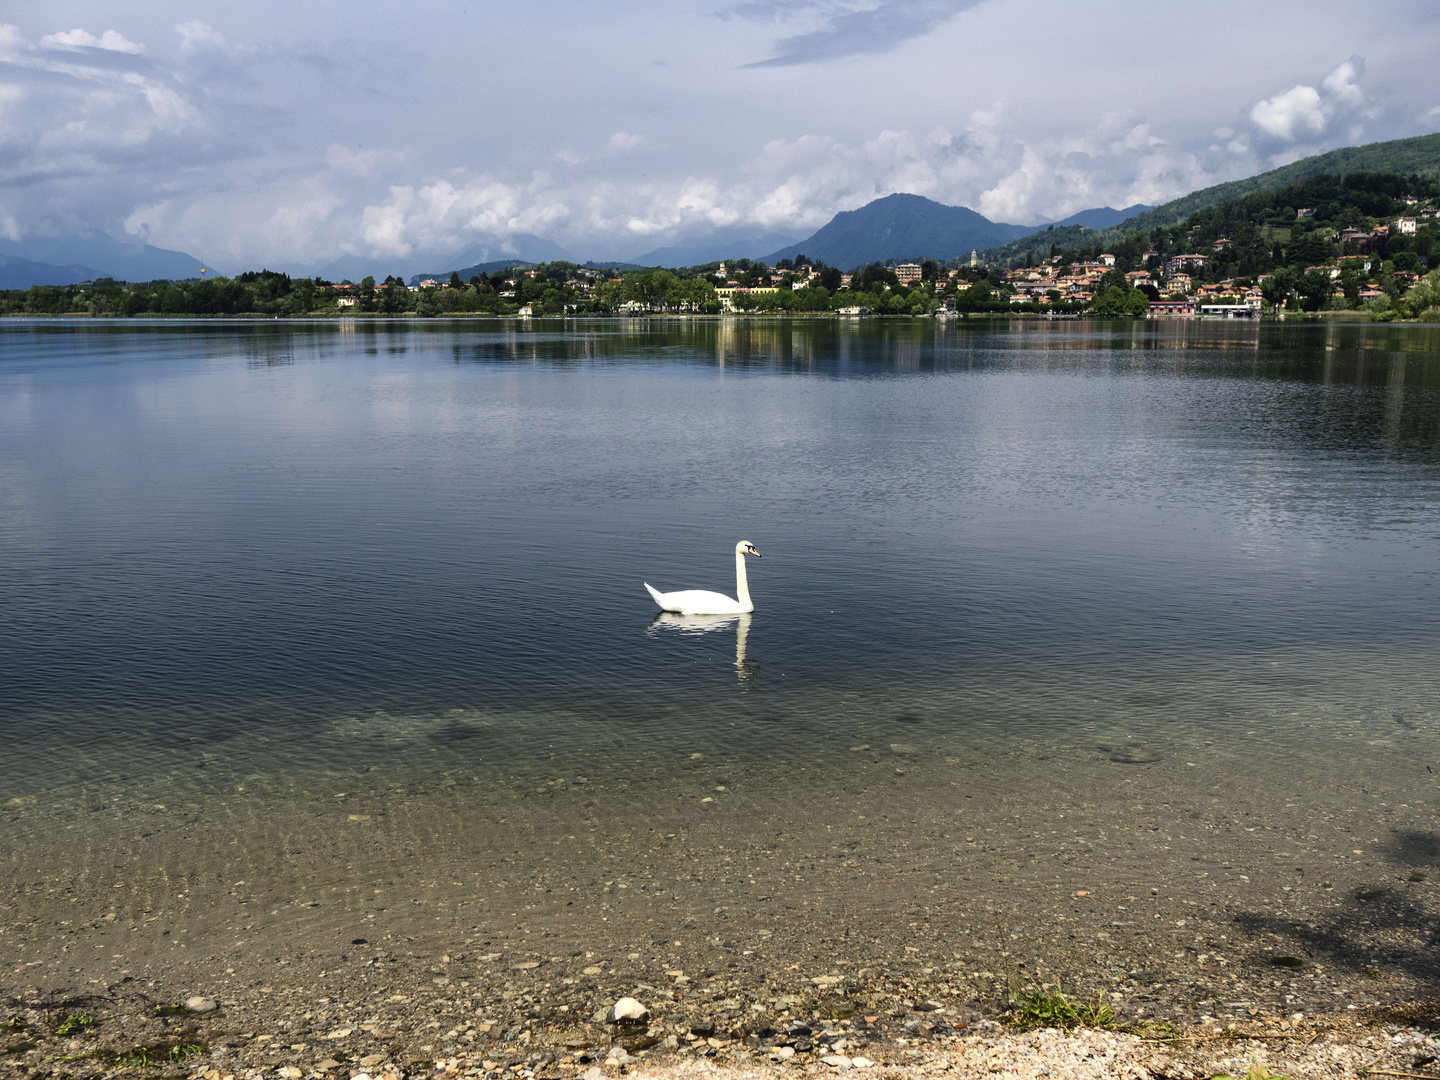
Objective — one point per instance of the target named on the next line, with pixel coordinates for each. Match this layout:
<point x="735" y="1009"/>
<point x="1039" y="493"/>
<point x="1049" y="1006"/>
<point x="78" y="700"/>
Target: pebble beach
<point x="121" y="1032"/>
<point x="465" y="929"/>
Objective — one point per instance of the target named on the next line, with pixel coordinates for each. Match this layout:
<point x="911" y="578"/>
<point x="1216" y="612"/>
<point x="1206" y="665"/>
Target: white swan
<point x="699" y="602"/>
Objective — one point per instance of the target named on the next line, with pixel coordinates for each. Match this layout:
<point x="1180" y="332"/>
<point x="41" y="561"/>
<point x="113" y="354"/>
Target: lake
<point x="253" y="573"/>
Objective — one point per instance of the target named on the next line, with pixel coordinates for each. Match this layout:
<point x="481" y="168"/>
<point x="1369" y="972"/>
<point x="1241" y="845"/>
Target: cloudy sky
<point x="294" y="133"/>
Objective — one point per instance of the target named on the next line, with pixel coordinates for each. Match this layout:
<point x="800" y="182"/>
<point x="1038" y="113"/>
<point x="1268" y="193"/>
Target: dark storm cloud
<point x="876" y="30"/>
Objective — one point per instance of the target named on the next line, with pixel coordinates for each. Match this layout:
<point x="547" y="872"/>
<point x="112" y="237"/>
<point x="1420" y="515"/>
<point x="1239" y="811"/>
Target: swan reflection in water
<point x="709" y="624"/>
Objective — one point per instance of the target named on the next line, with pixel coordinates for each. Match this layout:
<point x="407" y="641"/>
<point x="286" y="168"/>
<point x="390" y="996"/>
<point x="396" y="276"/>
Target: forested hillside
<point x="1419" y="157"/>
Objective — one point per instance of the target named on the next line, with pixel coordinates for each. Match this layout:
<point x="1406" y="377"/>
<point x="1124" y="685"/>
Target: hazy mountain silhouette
<point x="103" y="256"/>
<point x="22" y="273"/>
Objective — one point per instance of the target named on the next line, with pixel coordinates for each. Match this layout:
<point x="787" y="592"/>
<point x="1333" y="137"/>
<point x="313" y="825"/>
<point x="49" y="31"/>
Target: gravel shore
<point x="121" y="1030"/>
<point x="892" y="910"/>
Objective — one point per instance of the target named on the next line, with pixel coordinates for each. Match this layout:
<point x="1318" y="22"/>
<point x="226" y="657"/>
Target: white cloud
<point x="1290" y="115"/>
<point x="12" y="42"/>
<point x="443" y="216"/>
<point x="111" y="40"/>
<point x="623" y="140"/>
<point x="1303" y="111"/>
<point x="1342" y="84"/>
<point x="197" y="36"/>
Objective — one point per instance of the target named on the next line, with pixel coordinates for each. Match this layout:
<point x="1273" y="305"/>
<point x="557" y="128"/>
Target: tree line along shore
<point x="1359" y="243"/>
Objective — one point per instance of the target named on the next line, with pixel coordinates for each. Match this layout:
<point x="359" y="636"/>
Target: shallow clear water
<point x="271" y="550"/>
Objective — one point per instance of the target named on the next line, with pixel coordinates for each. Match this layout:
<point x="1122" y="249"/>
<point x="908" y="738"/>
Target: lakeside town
<point x="1357" y="246"/>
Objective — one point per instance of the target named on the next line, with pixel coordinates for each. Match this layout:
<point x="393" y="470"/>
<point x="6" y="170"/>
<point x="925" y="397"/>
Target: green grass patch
<point x="1052" y="1009"/>
<point x="15" y="1023"/>
<point x="147" y="1057"/>
<point x="74" y="1023"/>
<point x="171" y="1010"/>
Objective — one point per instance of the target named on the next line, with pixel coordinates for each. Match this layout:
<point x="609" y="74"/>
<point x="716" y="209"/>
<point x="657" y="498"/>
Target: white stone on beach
<point x="627" y="1011"/>
<point x="618" y="1056"/>
<point x="199" y="1004"/>
<point x="836" y="1061"/>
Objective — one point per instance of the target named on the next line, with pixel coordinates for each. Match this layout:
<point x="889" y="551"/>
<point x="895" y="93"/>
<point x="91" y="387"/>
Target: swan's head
<point x="744" y="547"/>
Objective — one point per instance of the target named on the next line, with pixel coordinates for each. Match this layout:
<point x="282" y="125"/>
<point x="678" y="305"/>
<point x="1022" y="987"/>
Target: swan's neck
<point x="742" y="587"/>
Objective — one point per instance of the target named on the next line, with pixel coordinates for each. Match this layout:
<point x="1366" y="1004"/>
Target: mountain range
<point x="63" y="260"/>
<point x="914" y="227"/>
<point x="1101" y="218"/>
<point x="22" y="273"/>
<point x="897" y="226"/>
<point x="515" y="250"/>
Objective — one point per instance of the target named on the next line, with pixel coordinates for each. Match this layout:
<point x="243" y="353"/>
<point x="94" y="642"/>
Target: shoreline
<point x="1319" y="317"/>
<point x="406" y="1027"/>
<point x="902" y="882"/>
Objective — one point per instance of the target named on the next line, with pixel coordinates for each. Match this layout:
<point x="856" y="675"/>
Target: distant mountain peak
<point x="899" y="226"/>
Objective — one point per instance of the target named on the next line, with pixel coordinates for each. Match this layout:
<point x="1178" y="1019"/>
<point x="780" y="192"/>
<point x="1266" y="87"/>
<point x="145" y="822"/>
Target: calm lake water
<point x="269" y="550"/>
